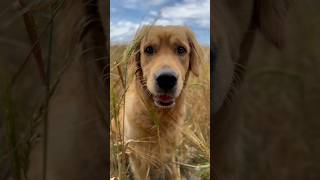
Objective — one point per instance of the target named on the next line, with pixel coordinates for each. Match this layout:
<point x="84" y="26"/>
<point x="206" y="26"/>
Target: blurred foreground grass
<point x="279" y="117"/>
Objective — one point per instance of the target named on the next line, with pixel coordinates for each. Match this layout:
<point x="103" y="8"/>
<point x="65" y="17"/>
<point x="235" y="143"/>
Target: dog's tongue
<point x="165" y="98"/>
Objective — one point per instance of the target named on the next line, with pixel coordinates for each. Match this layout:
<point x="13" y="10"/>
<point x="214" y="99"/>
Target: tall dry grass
<point x="193" y="154"/>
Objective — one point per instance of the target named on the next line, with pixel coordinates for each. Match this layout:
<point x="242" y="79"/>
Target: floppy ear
<point x="196" y="54"/>
<point x="272" y="17"/>
<point x="132" y="53"/>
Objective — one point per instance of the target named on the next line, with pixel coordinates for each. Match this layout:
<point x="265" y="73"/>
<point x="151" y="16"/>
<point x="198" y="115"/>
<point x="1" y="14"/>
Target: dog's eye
<point x="181" y="50"/>
<point x="149" y="50"/>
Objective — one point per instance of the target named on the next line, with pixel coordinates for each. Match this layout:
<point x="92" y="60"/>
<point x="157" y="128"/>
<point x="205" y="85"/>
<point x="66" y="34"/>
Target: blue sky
<point x="127" y="15"/>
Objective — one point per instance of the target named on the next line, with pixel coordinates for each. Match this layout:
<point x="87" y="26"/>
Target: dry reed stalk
<point x="34" y="40"/>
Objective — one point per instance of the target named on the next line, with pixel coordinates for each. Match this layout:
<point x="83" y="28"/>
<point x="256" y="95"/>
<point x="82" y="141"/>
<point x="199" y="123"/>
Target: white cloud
<point x="122" y="30"/>
<point x="189" y="12"/>
<point x="166" y="22"/>
<point x="156" y="2"/>
<point x="154" y="13"/>
<point x="197" y="12"/>
<point x="133" y="4"/>
<point x="162" y="21"/>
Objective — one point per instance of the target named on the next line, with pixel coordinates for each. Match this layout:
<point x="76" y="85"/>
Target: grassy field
<point x="194" y="152"/>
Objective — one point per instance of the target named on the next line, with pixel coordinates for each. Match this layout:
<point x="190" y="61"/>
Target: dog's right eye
<point x="149" y="50"/>
<point x="181" y="50"/>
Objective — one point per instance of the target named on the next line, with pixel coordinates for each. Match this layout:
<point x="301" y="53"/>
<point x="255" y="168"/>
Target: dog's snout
<point x="166" y="79"/>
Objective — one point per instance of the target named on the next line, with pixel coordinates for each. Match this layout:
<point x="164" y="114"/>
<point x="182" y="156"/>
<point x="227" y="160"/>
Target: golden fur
<point x="154" y="132"/>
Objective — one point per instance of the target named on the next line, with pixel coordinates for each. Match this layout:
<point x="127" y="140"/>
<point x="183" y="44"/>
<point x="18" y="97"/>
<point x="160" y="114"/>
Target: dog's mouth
<point x="164" y="101"/>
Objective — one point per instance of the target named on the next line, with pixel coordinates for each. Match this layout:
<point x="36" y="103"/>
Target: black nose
<point x="166" y="79"/>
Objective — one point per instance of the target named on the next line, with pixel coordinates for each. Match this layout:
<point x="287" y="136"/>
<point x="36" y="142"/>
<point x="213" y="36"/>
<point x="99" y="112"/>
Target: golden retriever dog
<point x="235" y="25"/>
<point x="154" y="109"/>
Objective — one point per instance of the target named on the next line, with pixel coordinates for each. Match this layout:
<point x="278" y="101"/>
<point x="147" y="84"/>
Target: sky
<point x="128" y="15"/>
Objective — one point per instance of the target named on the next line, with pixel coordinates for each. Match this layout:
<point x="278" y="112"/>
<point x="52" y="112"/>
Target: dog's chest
<point x="142" y="117"/>
<point x="145" y="124"/>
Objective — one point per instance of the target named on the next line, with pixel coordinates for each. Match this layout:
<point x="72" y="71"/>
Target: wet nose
<point x="166" y="79"/>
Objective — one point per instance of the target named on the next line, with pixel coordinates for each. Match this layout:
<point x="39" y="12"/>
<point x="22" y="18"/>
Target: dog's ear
<point x="272" y="16"/>
<point x="132" y="53"/>
<point x="196" y="53"/>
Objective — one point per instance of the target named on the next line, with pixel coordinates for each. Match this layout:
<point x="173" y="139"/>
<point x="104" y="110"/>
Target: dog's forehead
<point x="166" y="33"/>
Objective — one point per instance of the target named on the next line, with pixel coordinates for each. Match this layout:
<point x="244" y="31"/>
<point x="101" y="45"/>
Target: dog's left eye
<point x="181" y="50"/>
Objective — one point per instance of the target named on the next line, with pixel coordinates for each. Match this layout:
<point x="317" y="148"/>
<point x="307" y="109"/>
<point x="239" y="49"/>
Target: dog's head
<point x="165" y="55"/>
